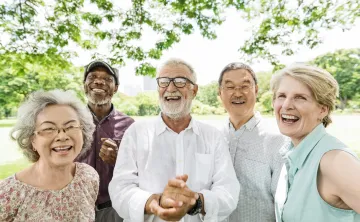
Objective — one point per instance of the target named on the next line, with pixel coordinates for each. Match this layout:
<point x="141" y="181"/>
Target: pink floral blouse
<point x="75" y="202"/>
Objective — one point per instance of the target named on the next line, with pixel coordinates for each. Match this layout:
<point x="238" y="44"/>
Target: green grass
<point x="7" y="122"/>
<point x="11" y="168"/>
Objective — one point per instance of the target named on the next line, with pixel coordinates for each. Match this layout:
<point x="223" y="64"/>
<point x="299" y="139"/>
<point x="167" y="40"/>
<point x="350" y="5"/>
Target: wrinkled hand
<point x="176" y="200"/>
<point x="177" y="193"/>
<point x="108" y="151"/>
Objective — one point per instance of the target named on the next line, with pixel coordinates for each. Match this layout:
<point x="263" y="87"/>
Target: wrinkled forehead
<point x="174" y="71"/>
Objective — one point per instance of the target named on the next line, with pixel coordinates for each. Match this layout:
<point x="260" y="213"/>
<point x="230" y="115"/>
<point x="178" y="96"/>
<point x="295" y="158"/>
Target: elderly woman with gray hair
<point x="320" y="180"/>
<point x="52" y="129"/>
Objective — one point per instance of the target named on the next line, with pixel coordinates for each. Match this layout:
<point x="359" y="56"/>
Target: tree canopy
<point x="24" y="73"/>
<point x="344" y="65"/>
<point x="278" y="27"/>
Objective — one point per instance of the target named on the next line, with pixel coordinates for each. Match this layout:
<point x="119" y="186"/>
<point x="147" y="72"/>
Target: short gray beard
<point x="176" y="112"/>
<point x="97" y="102"/>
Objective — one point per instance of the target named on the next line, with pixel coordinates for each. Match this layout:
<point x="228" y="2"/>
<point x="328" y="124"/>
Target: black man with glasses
<point x="172" y="167"/>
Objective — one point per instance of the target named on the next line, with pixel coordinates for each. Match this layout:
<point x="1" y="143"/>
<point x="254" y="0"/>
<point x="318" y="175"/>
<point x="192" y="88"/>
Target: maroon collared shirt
<point x="112" y="126"/>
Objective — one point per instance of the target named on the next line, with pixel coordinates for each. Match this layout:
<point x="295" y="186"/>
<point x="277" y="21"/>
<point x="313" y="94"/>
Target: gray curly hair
<point x="35" y="103"/>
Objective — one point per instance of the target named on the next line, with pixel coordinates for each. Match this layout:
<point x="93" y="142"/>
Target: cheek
<point x="277" y="107"/>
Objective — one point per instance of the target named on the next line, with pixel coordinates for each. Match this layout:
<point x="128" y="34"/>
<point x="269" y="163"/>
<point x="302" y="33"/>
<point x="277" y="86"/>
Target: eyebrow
<point x="70" y="121"/>
<point x="296" y="94"/>
<point x="245" y="81"/>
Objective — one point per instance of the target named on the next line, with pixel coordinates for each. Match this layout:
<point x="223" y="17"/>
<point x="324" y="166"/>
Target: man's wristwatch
<point x="197" y="207"/>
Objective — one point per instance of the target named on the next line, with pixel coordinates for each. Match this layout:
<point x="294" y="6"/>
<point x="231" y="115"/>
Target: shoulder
<point x="270" y="135"/>
<point x="86" y="172"/>
<point x="144" y="124"/>
<point x="207" y="129"/>
<point x="337" y="159"/>
<point x="11" y="194"/>
<point x="8" y="182"/>
<point x="119" y="116"/>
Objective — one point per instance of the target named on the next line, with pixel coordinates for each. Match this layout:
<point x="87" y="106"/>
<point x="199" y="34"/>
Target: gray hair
<point x="179" y="62"/>
<point x="322" y="84"/>
<point x="36" y="102"/>
<point x="236" y="66"/>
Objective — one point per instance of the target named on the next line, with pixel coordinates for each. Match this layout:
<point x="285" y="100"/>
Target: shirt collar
<point x="162" y="127"/>
<point x="249" y="125"/>
<point x="299" y="154"/>
<point x="111" y="113"/>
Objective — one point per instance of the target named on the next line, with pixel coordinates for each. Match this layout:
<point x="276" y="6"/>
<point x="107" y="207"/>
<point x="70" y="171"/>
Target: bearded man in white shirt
<point x="174" y="168"/>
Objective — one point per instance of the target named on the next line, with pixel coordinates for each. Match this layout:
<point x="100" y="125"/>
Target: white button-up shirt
<point x="151" y="153"/>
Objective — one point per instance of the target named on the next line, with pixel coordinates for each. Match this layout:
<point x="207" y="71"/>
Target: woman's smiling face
<point x="296" y="110"/>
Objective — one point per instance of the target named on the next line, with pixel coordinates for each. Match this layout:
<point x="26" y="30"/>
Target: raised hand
<point x="108" y="151"/>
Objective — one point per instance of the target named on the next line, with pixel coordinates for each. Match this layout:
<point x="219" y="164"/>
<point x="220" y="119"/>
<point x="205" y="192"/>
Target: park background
<point x="44" y="44"/>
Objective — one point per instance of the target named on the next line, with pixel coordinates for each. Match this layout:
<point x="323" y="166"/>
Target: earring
<point x="34" y="149"/>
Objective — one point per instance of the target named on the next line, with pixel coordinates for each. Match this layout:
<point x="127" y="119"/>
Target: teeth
<point x="238" y="102"/>
<point x="98" y="90"/>
<point x="288" y="116"/>
<point x="61" y="148"/>
<point x="172" y="97"/>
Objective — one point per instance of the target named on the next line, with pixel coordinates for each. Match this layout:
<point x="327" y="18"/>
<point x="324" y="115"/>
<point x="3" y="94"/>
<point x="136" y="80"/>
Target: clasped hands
<point x="174" y="203"/>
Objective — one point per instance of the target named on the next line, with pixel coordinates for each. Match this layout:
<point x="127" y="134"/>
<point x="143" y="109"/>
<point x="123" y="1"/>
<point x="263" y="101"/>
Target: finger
<point x="184" y="199"/>
<point x="102" y="156"/>
<point x="157" y="210"/>
<point x="182" y="177"/>
<point x="108" y="142"/>
<point x="182" y="191"/>
<point x="161" y="212"/>
<point x="104" y="150"/>
<point x="176" y="183"/>
<point x="167" y="202"/>
<point x="113" y="153"/>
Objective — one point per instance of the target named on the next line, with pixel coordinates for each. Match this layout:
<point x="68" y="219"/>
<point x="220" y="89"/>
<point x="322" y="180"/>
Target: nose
<point x="171" y="87"/>
<point x="62" y="136"/>
<point x="237" y="91"/>
<point x="99" y="81"/>
<point x="288" y="104"/>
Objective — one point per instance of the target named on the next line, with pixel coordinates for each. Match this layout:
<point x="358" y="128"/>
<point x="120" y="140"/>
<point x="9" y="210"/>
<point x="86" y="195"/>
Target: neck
<point x="239" y="121"/>
<point x="177" y="125"/>
<point x="100" y="110"/>
<point x="53" y="178"/>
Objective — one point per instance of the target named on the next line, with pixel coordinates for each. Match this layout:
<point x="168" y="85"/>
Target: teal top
<point x="297" y="197"/>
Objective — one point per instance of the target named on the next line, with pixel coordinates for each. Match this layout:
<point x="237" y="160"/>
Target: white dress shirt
<point x="151" y="153"/>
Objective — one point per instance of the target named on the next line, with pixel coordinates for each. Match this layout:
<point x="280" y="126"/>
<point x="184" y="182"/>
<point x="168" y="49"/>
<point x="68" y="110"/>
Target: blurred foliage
<point x="344" y="65"/>
<point x="23" y="73"/>
<point x="278" y="27"/>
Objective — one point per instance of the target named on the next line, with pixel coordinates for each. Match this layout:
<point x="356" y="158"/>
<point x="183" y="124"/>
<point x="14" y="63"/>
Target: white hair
<point x="178" y="62"/>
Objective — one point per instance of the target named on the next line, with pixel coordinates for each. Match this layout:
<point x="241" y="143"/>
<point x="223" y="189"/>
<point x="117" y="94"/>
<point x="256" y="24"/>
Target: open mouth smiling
<point x="172" y="98"/>
<point x="286" y="118"/>
<point x="62" y="148"/>
<point x="97" y="90"/>
<point x="238" y="102"/>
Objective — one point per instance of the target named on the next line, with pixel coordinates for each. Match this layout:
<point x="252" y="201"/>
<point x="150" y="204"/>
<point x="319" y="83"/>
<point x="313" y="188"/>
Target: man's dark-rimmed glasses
<point x="179" y="82"/>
